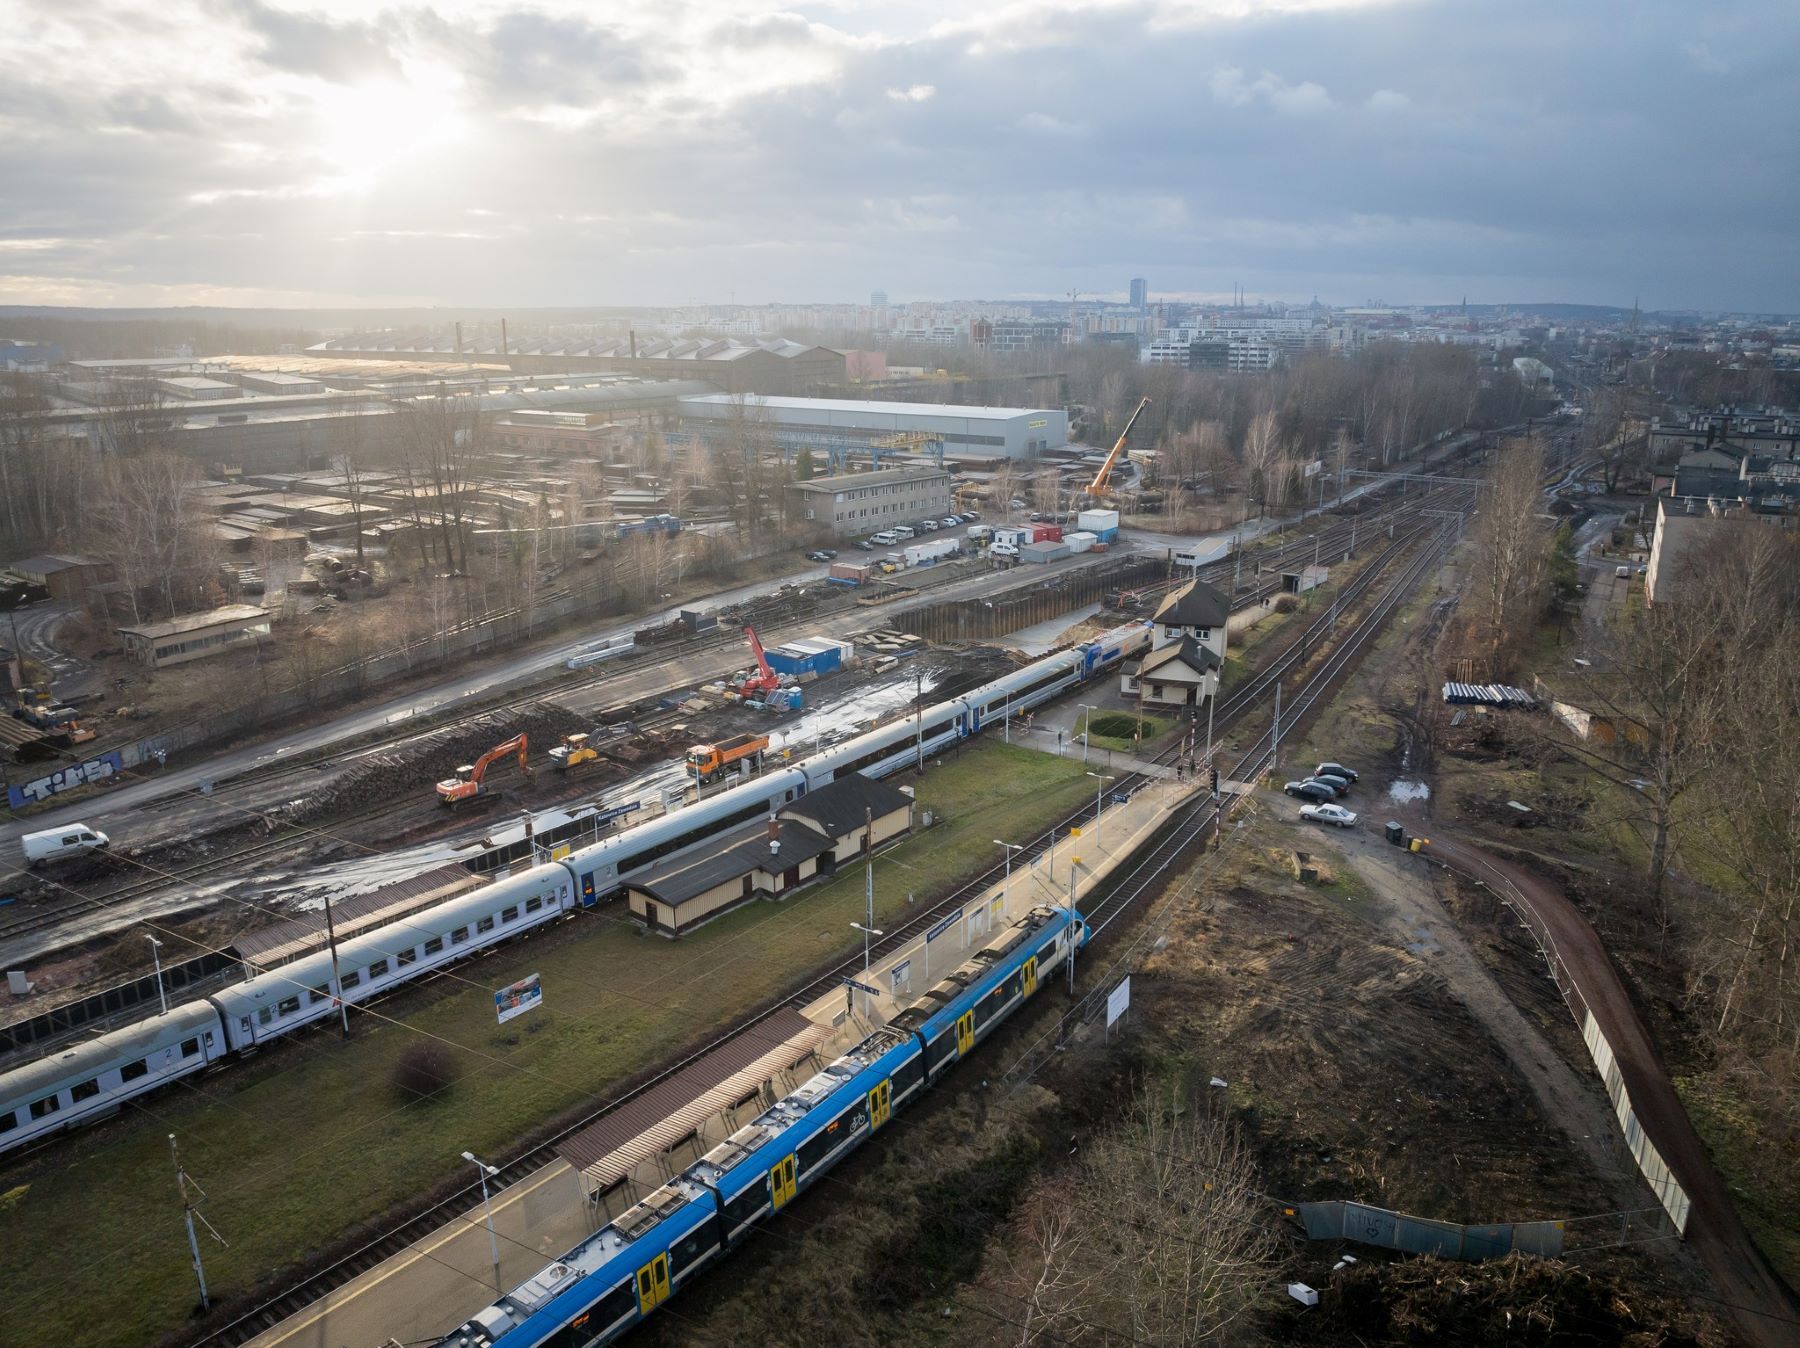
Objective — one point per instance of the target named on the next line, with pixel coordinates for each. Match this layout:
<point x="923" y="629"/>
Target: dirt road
<point x="1764" y="1308"/>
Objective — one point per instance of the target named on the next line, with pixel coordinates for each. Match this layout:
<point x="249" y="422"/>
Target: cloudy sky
<point x="539" y="152"/>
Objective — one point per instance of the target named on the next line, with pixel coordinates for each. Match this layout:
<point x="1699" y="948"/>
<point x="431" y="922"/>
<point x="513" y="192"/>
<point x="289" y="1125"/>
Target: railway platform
<point x="441" y="1278"/>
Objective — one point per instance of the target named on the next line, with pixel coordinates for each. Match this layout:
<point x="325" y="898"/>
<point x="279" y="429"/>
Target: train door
<point x="1028" y="977"/>
<point x="653" y="1284"/>
<point x="880" y="1104"/>
<point x="965" y="1032"/>
<point x="781" y="1183"/>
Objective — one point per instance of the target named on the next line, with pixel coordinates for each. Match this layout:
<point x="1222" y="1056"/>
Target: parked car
<point x="1317" y="792"/>
<point x="927" y="526"/>
<point x="1015" y="504"/>
<point x="1331" y="786"/>
<point x="970" y="516"/>
<point x="1035" y="516"/>
<point x="821" y="555"/>
<point x="864" y="545"/>
<point x="887" y="537"/>
<point x="1003" y="550"/>
<point x="1335" y="770"/>
<point x="900" y="531"/>
<point x="1329" y="814"/>
<point x="950" y="521"/>
<point x="1339" y="784"/>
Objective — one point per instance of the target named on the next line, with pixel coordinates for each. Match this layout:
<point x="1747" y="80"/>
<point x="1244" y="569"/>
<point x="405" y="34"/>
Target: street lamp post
<point x="1006" y="886"/>
<point x="1087" y="728"/>
<point x="868" y="934"/>
<point x="156" y="955"/>
<point x="1100" y="781"/>
<point x="484" y="1170"/>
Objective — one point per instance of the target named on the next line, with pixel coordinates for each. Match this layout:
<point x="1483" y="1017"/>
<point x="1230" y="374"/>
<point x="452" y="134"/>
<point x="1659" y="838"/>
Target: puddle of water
<point x="1404" y="791"/>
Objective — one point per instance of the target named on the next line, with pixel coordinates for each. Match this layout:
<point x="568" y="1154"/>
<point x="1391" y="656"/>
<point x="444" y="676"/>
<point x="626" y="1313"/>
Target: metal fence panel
<point x="1540" y="1238"/>
<point x="1372" y="1226"/>
<point x="1421" y="1235"/>
<point x="1487" y="1242"/>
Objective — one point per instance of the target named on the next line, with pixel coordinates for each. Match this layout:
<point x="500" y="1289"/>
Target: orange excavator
<point x="1097" y="488"/>
<point x="762" y="681"/>
<point x="471" y="780"/>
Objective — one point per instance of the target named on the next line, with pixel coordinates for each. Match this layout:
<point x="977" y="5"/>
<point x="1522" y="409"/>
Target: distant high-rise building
<point x="1140" y="292"/>
<point x="878" y="299"/>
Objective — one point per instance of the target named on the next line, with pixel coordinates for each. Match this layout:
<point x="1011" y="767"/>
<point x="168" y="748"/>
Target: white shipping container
<point x="1080" y="542"/>
<point x="919" y="554"/>
<point x="1097" y="521"/>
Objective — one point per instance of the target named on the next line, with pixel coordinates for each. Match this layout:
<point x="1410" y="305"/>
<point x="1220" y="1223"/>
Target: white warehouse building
<point x="1013" y="432"/>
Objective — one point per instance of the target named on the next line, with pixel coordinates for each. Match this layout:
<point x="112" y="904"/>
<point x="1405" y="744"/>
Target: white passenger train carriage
<point x="598" y="869"/>
<point x="82" y="1083"/>
<point x="280" y="1000"/>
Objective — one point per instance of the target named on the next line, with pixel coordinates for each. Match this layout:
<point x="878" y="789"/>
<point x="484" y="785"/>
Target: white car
<point x="1329" y="814"/>
<point x="1003" y="550"/>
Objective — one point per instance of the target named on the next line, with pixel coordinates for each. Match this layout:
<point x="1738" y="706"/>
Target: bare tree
<point x="1262" y="449"/>
<point x="1511" y="548"/>
<point x="1164" y="1236"/>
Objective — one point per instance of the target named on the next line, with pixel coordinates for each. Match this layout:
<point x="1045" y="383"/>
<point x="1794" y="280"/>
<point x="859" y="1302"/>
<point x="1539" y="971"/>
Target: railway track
<point x="1189" y="828"/>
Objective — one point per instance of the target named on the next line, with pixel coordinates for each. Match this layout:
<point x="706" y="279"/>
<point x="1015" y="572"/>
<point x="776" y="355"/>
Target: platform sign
<point x="1117" y="1001"/>
<point x="944" y="926"/>
<point x="525" y="995"/>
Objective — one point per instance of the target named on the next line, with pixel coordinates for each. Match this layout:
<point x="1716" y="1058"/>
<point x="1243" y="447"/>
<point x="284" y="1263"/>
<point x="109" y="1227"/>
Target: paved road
<point x="36" y="627"/>
<point x="1764" y="1308"/>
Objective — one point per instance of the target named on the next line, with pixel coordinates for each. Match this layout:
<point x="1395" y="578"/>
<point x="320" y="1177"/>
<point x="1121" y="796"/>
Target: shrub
<point x="426" y="1067"/>
<point x="1286" y="603"/>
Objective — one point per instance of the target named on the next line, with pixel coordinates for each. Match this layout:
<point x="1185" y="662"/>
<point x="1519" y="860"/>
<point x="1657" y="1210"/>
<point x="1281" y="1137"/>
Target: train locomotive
<point x="92" y="1079"/>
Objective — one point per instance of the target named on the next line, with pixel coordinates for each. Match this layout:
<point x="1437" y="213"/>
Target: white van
<point x="1003" y="550"/>
<point x="980" y="533"/>
<point x="901" y="531"/>
<point x="887" y="537"/>
<point x="58" y="844"/>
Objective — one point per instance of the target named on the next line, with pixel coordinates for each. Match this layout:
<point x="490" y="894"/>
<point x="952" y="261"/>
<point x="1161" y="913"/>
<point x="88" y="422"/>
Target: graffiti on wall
<point x="96" y="769"/>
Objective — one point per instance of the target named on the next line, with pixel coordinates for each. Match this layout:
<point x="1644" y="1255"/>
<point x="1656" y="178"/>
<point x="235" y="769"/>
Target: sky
<point x="550" y="152"/>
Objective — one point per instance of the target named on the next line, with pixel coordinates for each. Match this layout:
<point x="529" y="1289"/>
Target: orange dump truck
<point x="707" y="761"/>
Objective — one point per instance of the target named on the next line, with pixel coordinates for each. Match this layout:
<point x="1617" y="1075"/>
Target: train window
<point x="287" y="1006"/>
<point x="458" y="936"/>
<point x="350" y="980"/>
<point x="435" y="946"/>
<point x="484" y="924"/>
<point x="85" y="1090"/>
<point x="131" y="1071"/>
<point x="533" y="904"/>
<point x="316" y="995"/>
<point x="405" y="957"/>
<point x="510" y="914"/>
<point x="8" y="1121"/>
<point x="378" y="969"/>
<point x="265" y="1015"/>
<point x="43" y="1109"/>
<point x="189" y="1047"/>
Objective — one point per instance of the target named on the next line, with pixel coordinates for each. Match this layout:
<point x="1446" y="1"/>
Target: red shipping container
<point x="1046" y="533"/>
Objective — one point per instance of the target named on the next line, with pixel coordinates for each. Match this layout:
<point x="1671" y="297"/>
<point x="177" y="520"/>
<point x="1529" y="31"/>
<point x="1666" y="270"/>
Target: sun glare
<point x="372" y="131"/>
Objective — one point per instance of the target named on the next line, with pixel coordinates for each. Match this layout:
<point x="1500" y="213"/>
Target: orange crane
<point x="764" y="681"/>
<point x="470" y="780"/>
<point x="1098" y="486"/>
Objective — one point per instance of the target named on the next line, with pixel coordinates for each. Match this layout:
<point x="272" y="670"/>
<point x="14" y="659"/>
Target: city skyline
<point x="486" y="153"/>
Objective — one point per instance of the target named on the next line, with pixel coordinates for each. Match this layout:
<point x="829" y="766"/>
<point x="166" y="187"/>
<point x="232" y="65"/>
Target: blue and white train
<point x="619" y="1275"/>
<point x="92" y="1079"/>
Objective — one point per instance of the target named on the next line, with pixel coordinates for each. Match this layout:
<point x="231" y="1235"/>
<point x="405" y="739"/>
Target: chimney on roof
<point x="774" y="836"/>
<point x="503" y="339"/>
<point x="459" y="349"/>
<point x="633" y="332"/>
<point x="529" y="821"/>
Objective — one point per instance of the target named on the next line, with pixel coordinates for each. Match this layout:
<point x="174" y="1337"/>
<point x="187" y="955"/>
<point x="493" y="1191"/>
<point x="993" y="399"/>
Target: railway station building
<point x="1187" y="649"/>
<point x="804" y="841"/>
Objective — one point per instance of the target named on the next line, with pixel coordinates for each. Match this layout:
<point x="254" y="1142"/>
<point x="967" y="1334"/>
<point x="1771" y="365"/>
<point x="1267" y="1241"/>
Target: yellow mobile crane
<point x="1097" y="488"/>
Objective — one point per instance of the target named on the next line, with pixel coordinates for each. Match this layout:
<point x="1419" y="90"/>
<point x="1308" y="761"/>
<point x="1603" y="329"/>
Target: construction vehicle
<point x="38" y="707"/>
<point x="762" y="681"/>
<point x="471" y="779"/>
<point x="573" y="752"/>
<point x="709" y="761"/>
<point x="1097" y="488"/>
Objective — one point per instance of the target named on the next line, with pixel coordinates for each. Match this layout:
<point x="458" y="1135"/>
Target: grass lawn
<point x="1114" y="729"/>
<point x="310" y="1138"/>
